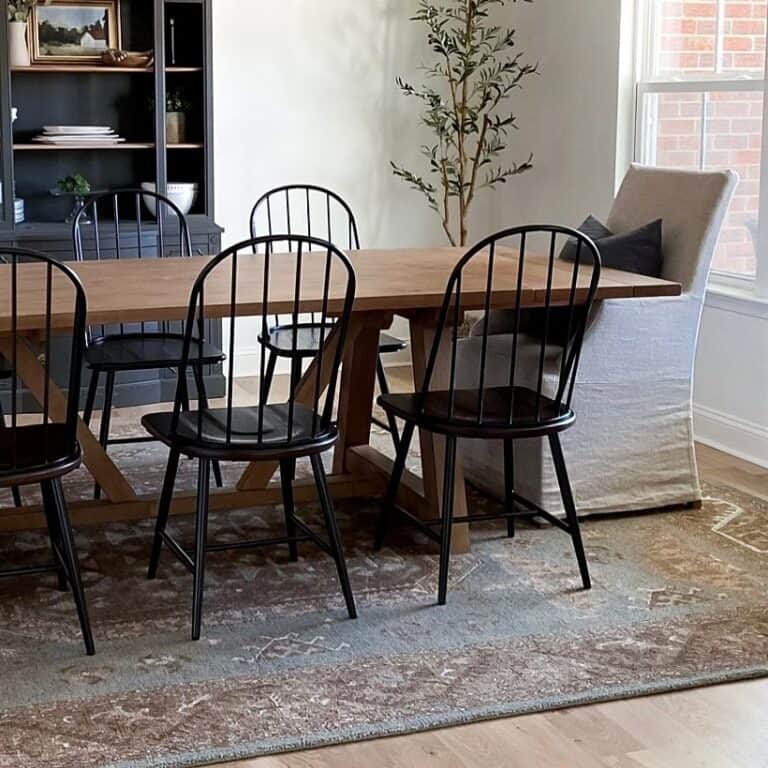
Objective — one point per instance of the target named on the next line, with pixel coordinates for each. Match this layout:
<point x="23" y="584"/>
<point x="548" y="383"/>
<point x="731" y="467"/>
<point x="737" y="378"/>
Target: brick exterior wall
<point x="686" y="42"/>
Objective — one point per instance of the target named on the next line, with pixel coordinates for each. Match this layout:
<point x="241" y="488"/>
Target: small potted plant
<point x="77" y="186"/>
<point x="176" y="108"/>
<point x="18" y="16"/>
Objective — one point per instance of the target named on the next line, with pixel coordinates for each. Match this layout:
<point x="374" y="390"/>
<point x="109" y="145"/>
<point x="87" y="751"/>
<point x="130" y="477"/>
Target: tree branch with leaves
<point x="19" y="10"/>
<point x="465" y="104"/>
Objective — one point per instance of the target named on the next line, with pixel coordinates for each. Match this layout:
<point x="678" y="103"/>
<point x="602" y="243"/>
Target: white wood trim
<point x="690" y="85"/>
<point x="742" y="301"/>
<point x="731" y="435"/>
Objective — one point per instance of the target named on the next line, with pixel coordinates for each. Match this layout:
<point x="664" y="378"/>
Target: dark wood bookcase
<point x="133" y="102"/>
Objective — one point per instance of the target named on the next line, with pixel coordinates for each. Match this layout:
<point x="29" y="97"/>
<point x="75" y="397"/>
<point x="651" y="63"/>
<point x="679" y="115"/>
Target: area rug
<point x="679" y="600"/>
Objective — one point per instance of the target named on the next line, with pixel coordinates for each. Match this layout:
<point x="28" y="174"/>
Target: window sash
<point x="699" y="83"/>
<point x="647" y="38"/>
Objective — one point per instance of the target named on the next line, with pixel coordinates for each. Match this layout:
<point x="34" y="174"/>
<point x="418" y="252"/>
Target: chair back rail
<point x="309" y="210"/>
<point x="558" y="324"/>
<point x="58" y="284"/>
<point x="338" y="276"/>
<point x="106" y="225"/>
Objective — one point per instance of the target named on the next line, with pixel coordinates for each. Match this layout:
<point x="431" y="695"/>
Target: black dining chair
<point x="42" y="447"/>
<point x="284" y="432"/>
<point x="530" y="402"/>
<point x="113" y="225"/>
<point x="310" y="210"/>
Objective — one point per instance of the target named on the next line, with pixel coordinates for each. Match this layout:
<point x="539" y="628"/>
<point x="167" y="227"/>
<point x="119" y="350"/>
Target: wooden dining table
<point x="407" y="283"/>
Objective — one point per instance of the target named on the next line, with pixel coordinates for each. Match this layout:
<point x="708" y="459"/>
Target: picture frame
<point x="74" y="31"/>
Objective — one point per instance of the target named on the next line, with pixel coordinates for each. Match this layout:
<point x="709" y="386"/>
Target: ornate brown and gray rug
<point x="680" y="600"/>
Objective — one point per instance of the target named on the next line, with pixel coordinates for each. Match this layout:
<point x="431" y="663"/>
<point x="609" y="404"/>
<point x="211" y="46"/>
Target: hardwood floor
<point x="718" y="727"/>
<point x="722" y="727"/>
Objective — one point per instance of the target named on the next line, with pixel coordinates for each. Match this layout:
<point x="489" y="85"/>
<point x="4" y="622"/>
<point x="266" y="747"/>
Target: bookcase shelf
<point x="85" y="146"/>
<point x="53" y="69"/>
<point x="82" y="147"/>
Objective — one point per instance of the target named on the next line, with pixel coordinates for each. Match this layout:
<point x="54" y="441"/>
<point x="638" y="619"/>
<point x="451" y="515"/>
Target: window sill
<point x="738" y="295"/>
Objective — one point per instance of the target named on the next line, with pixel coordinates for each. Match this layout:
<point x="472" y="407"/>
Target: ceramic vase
<point x="18" y="52"/>
<point x="175" y="127"/>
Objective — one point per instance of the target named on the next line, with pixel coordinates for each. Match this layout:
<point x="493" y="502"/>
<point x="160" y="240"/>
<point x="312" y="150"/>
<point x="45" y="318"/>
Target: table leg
<point x="258" y="474"/>
<point x="433" y="446"/>
<point x="358" y="385"/>
<point x="32" y="374"/>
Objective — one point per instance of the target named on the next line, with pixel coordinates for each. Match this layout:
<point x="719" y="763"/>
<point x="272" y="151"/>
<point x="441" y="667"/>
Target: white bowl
<point x="182" y="194"/>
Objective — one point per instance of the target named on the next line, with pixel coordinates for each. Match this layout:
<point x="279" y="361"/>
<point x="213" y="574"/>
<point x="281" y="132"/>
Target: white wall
<point x="567" y="116"/>
<point x="305" y="91"/>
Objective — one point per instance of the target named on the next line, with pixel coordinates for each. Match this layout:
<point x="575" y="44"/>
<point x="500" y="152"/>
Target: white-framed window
<point x="701" y="104"/>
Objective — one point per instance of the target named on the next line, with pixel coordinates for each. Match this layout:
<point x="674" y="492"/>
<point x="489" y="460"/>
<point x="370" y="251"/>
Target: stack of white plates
<point x="78" y="134"/>
<point x="18" y="210"/>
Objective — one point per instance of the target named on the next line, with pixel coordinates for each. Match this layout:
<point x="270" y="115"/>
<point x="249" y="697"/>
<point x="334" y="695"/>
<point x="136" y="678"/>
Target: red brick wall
<point x="686" y="42"/>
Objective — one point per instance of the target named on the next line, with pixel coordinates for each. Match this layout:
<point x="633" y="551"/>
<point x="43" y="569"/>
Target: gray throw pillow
<point x="638" y="251"/>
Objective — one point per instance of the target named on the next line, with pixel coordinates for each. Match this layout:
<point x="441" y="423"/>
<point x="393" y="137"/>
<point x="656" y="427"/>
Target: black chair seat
<point x="204" y="433"/>
<point x="528" y="416"/>
<point x="140" y="351"/>
<point x="29" y="455"/>
<point x="308" y="337"/>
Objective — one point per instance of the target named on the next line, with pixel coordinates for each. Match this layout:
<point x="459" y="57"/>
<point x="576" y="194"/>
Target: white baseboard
<point x="732" y="435"/>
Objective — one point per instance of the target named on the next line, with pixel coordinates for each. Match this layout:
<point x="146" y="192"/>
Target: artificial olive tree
<point x="466" y="95"/>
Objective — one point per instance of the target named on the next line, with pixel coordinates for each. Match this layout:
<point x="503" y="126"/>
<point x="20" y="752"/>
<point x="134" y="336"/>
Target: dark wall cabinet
<point x="131" y="101"/>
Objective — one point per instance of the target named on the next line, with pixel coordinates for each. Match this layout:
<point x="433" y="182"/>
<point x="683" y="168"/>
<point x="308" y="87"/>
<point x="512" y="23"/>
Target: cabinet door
<point x="6" y="132"/>
<point x="3" y="184"/>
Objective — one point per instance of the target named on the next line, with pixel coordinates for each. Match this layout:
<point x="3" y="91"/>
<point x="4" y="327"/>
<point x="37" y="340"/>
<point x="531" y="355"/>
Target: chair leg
<point x="201" y="536"/>
<point x="90" y="400"/>
<point x="333" y="533"/>
<point x="296" y="373"/>
<point x="15" y="492"/>
<point x="381" y="375"/>
<point x="202" y="397"/>
<point x="447" y="523"/>
<point x="388" y="506"/>
<point x="71" y="562"/>
<point x="106" y="417"/>
<point x="509" y="485"/>
<point x="287" y="475"/>
<point x="54" y="533"/>
<point x="570" y="507"/>
<point x="266" y="385"/>
<point x="163" y="511"/>
<point x="183" y="391"/>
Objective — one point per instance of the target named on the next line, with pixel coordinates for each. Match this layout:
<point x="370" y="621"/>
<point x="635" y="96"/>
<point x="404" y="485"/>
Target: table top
<point x="398" y="281"/>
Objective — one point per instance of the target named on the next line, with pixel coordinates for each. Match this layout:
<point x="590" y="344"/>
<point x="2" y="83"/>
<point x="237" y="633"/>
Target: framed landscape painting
<point x="74" y="31"/>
